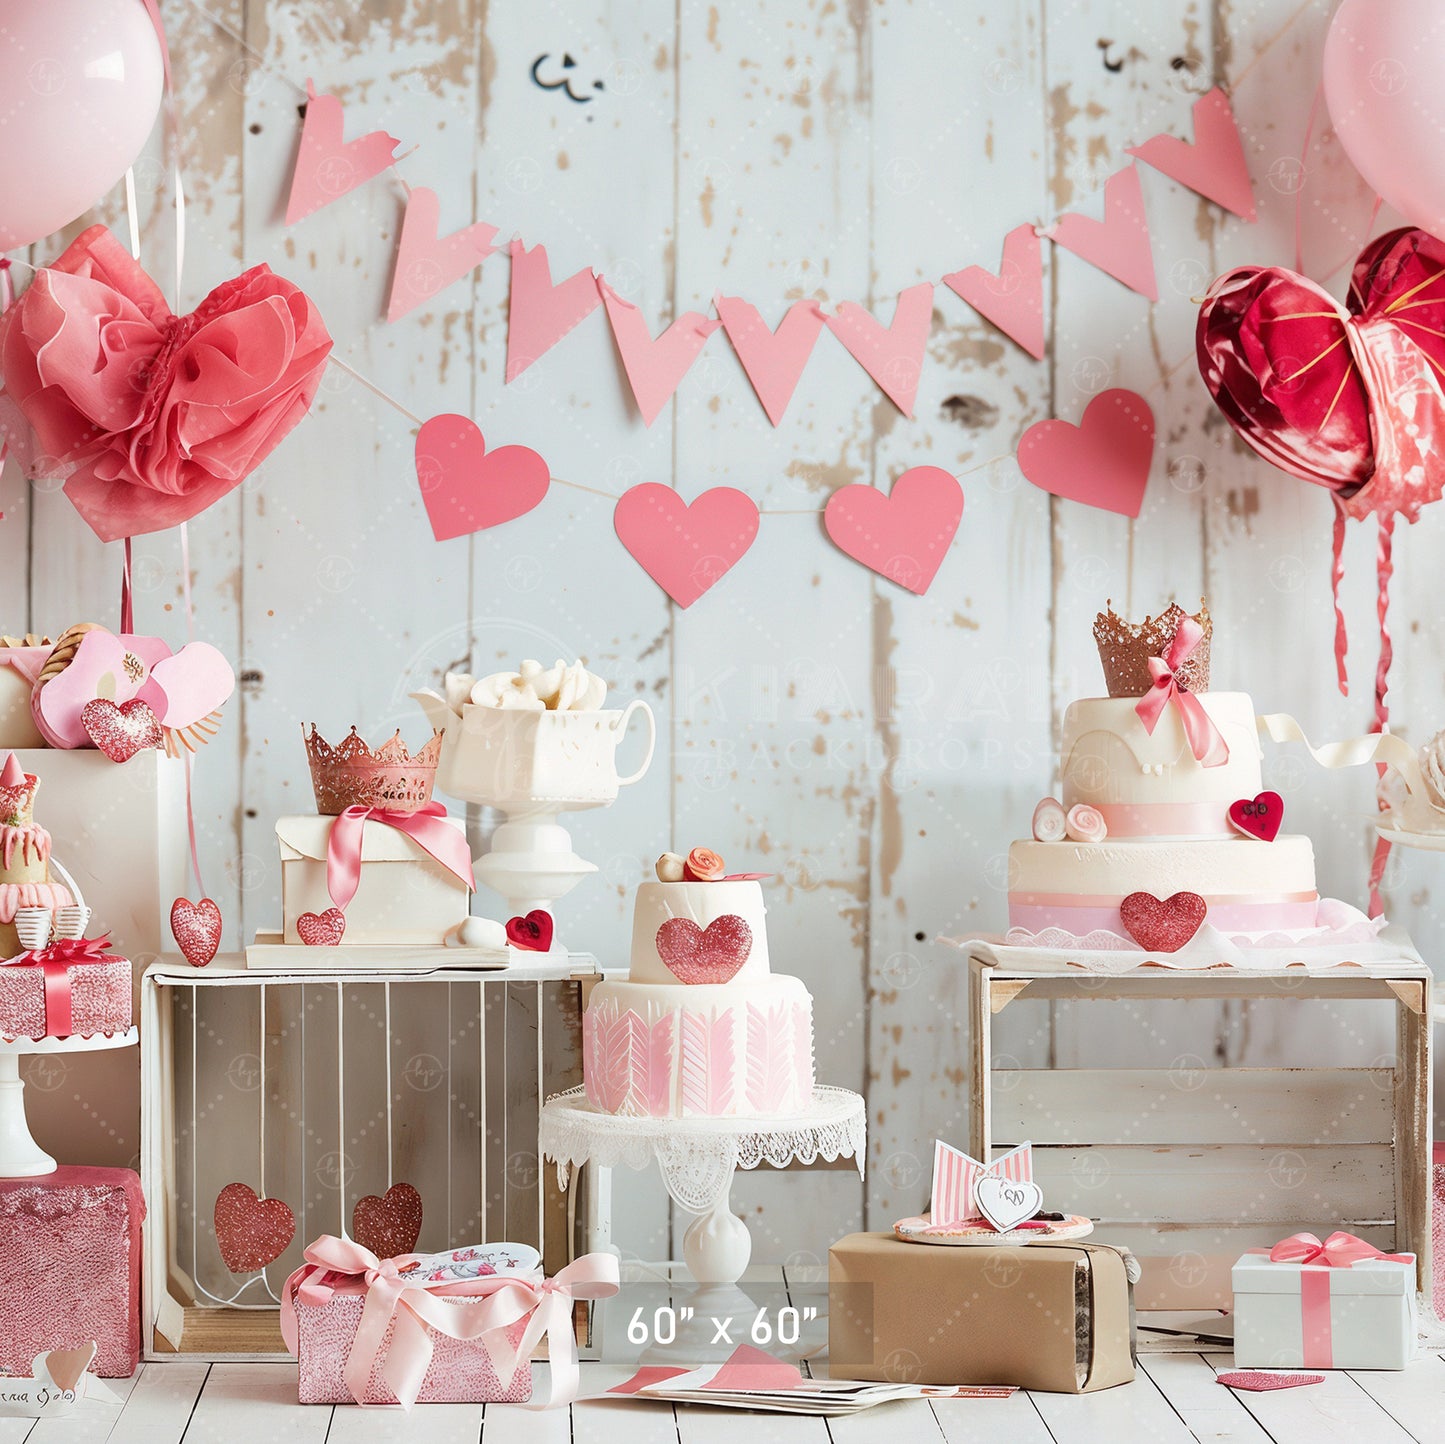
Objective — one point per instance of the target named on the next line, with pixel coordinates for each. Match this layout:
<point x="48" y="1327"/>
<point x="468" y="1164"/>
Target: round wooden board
<point x="920" y="1230"/>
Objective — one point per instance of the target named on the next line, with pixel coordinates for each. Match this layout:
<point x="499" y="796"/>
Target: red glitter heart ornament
<point x="1162" y="925"/>
<point x="196" y="927"/>
<point x="321" y="930"/>
<point x="533" y="933"/>
<point x="389" y="1225"/>
<point x="120" y="732"/>
<point x="1260" y="816"/>
<point x="704" y="955"/>
<point x="251" y="1232"/>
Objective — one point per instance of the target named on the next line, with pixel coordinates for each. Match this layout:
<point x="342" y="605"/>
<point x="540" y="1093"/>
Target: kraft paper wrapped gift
<point x="70" y="1249"/>
<point x="1051" y="1317"/>
<point x="404" y="897"/>
<point x="1340" y="1304"/>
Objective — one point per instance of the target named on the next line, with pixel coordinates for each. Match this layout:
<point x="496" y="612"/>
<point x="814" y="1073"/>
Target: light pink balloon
<point x="80" y="85"/>
<point x="1384" y="77"/>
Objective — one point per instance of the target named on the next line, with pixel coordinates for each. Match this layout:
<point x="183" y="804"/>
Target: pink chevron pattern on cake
<point x="608" y="1081"/>
<point x="803" y="1050"/>
<point x="707" y="1063"/>
<point x="770" y="1057"/>
<point x="651" y="1064"/>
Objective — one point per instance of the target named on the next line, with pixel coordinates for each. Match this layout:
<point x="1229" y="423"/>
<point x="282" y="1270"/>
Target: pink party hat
<point x="13" y="774"/>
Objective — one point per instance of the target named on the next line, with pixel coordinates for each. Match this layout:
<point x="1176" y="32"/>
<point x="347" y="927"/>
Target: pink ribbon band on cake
<point x="55" y="962"/>
<point x="1206" y="741"/>
<point x="426" y="827"/>
<point x="417" y="1304"/>
<point x="1317" y="1259"/>
<point x="1081" y="914"/>
<point x="1165" y="819"/>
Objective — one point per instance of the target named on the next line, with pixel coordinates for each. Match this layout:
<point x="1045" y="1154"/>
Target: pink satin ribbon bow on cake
<point x="417" y="1304"/>
<point x="1206" y="741"/>
<point x="55" y="961"/>
<point x="426" y="827"/>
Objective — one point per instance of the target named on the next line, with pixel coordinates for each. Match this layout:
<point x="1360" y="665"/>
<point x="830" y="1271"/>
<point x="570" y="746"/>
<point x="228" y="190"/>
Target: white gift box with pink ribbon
<point x="1339" y="1303"/>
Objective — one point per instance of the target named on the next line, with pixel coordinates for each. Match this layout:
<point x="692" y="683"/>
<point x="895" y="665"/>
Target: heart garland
<point x="389" y="1225"/>
<point x="251" y="1232"/>
<point x="467" y="488"/>
<point x="196" y="927"/>
<point x="903" y="534"/>
<point x="685" y="548"/>
<point x="121" y="731"/>
<point x="1102" y="462"/>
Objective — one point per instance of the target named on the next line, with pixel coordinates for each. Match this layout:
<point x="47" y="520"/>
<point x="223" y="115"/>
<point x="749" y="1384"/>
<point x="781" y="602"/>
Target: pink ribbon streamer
<point x="1206" y="741"/>
<point x="418" y="1305"/>
<point x="425" y="827"/>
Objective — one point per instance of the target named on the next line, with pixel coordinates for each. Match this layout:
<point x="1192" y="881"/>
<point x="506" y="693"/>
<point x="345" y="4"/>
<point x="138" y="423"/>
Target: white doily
<point x="697" y="1156"/>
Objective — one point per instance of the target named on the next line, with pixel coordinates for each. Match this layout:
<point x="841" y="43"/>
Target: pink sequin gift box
<point x="99" y="996"/>
<point x="70" y="1267"/>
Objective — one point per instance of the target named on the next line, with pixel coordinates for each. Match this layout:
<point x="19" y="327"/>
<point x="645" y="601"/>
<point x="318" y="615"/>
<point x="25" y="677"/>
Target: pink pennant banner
<point x="1119" y="244"/>
<point x="540" y="314"/>
<point x="773" y="360"/>
<point x="1014" y="298"/>
<point x="655" y="366"/>
<point x="426" y="262"/>
<point x="1214" y="165"/>
<point x="892" y="355"/>
<point x="327" y="166"/>
<point x="686" y="549"/>
<point x="956" y="1176"/>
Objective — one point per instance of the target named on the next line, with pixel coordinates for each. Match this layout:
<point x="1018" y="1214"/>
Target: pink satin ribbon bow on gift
<point x="55" y="962"/>
<point x="418" y="1304"/>
<point x="1206" y="741"/>
<point x="426" y="827"/>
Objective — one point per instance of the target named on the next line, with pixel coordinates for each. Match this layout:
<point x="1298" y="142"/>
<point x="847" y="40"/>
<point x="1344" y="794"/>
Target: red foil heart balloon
<point x="389" y="1225"/>
<point x="1162" y="925"/>
<point x="321" y="930"/>
<point x="251" y="1232"/>
<point x="120" y="732"/>
<point x="705" y="955"/>
<point x="196" y="927"/>
<point x="1260" y="816"/>
<point x="533" y="933"/>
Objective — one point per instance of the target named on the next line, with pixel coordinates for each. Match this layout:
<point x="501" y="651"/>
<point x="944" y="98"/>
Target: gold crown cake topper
<point x="1125" y="649"/>
<point x="351" y="774"/>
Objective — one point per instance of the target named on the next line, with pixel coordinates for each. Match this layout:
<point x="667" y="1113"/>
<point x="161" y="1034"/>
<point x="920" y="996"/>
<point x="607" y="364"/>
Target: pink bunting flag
<point x="1119" y="244"/>
<point x="426" y="262"/>
<point x="685" y="549"/>
<point x="328" y="167"/>
<point x="1014" y="298"/>
<point x="655" y="366"/>
<point x="892" y="355"/>
<point x="774" y="360"/>
<point x="540" y="314"/>
<point x="1214" y="166"/>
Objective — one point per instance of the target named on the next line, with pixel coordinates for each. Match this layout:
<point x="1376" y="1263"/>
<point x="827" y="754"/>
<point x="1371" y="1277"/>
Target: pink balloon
<point x="81" y="81"/>
<point x="1384" y="79"/>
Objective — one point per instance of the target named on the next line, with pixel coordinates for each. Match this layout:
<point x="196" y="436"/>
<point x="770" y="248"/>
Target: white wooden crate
<point x="1190" y="1164"/>
<point x="322" y="1086"/>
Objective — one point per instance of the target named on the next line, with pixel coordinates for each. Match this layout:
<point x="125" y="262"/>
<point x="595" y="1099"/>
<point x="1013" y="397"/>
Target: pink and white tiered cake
<point x="701" y="1027"/>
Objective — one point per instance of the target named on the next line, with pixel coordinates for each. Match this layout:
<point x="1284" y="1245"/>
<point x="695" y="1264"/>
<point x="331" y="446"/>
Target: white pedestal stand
<point x="697" y="1158"/>
<point x="20" y="1155"/>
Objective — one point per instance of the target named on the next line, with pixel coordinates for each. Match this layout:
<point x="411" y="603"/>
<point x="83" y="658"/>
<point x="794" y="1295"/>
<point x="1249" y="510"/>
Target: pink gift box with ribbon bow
<point x="1337" y="1303"/>
<point x="455" y="1328"/>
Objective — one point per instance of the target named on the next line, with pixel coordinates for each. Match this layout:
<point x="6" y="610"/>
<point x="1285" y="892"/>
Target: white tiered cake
<point x="701" y="1027"/>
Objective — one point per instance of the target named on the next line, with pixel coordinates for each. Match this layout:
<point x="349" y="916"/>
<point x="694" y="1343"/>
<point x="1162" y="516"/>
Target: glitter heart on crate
<point x="251" y="1232"/>
<point x="321" y="930"/>
<point x="705" y="955"/>
<point x="1162" y="925"/>
<point x="533" y="933"/>
<point x="389" y="1225"/>
<point x="120" y="732"/>
<point x="1260" y="816"/>
<point x="196" y="927"/>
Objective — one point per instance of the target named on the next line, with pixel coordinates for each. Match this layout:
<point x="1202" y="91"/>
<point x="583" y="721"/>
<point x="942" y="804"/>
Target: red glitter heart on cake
<point x="251" y="1232"/>
<point x="704" y="955"/>
<point x="121" y="732"/>
<point x="321" y="930"/>
<point x="196" y="927"/>
<point x="1162" y="925"/>
<point x="533" y="933"/>
<point x="1259" y="816"/>
<point x="389" y="1225"/>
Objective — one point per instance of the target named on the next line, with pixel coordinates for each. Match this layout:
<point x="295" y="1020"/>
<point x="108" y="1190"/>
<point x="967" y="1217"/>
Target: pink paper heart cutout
<point x="1119" y="244"/>
<point x="902" y="534"/>
<point x="251" y="1232"/>
<point x="196" y="927"/>
<point x="327" y="167"/>
<point x="686" y="549"/>
<point x="1162" y="925"/>
<point x="321" y="930"/>
<point x="1103" y="461"/>
<point x="773" y="360"/>
<point x="121" y="732"/>
<point x="540" y="314"/>
<point x="1014" y="299"/>
<point x="655" y="365"/>
<point x="1214" y="165"/>
<point x="704" y="955"/>
<point x="893" y="354"/>
<point x="189" y="685"/>
<point x="1260" y="816"/>
<point x="427" y="262"/>
<point x="533" y="933"/>
<point x="467" y="488"/>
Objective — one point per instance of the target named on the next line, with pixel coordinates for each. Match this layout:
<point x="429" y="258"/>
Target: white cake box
<point x="405" y="895"/>
<point x="1314" y="1316"/>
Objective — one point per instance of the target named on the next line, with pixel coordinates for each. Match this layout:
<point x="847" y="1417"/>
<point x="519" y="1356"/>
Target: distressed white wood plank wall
<point x="875" y="749"/>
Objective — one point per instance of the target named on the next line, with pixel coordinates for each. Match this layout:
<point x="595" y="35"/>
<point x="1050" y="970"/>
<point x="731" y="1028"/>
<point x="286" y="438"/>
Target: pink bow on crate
<point x="418" y="1304"/>
<point x="1339" y="1251"/>
<point x="55" y="960"/>
<point x="1206" y="741"/>
<point x="426" y="827"/>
